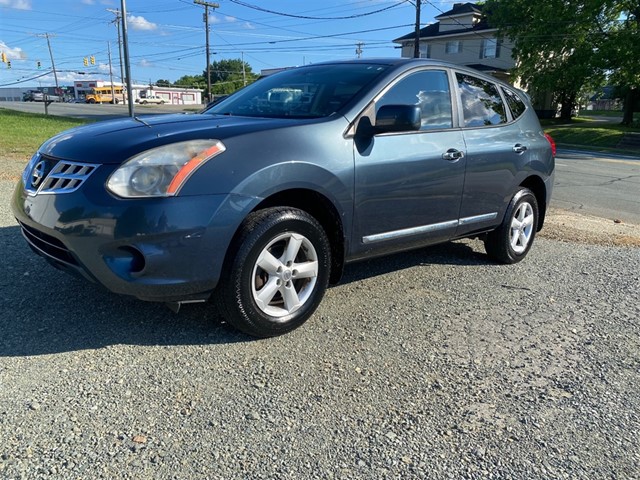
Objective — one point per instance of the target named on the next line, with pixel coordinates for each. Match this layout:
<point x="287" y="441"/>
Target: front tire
<point x="277" y="272"/>
<point x="513" y="239"/>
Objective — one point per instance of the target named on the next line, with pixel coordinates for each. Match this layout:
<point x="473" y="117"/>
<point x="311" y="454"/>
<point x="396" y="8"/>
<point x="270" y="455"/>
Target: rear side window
<point x="481" y="102"/>
<point x="430" y="91"/>
<point x="516" y="105"/>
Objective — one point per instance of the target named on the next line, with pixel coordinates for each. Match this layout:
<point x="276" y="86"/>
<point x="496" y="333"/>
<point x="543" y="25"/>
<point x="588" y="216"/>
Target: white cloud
<point x="17" y="4"/>
<point x="230" y="19"/>
<point x="89" y="2"/>
<point x="249" y="26"/>
<point x="12" y="53"/>
<point x="145" y="63"/>
<point x="141" y="23"/>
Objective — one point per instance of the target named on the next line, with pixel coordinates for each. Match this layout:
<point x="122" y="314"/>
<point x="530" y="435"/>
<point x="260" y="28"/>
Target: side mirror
<point x="398" y="118"/>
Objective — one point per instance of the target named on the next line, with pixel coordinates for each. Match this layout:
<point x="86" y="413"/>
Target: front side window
<point x="481" y="102"/>
<point x="430" y="91"/>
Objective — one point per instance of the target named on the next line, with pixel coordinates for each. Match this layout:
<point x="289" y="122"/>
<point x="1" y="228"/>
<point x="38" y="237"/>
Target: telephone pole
<point x="359" y="46"/>
<point x="116" y="12"/>
<point x="113" y="95"/>
<point x="416" y="43"/>
<point x="53" y="64"/>
<point x="125" y="49"/>
<point x="206" y="27"/>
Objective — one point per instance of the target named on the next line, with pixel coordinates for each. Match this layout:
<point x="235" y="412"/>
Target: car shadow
<point x="451" y="253"/>
<point x="46" y="311"/>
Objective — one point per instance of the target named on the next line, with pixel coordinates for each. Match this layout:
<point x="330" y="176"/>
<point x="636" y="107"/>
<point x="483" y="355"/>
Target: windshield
<point x="307" y="92"/>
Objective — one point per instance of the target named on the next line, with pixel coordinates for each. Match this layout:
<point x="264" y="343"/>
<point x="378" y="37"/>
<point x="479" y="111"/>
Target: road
<point x="597" y="184"/>
<point x="96" y="112"/>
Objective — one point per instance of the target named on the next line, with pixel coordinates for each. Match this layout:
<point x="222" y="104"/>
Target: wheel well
<point x="323" y="210"/>
<point x="536" y="185"/>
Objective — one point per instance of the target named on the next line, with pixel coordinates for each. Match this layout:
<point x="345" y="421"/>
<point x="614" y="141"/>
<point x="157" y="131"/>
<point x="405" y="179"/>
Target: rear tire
<point x="512" y="240"/>
<point x="276" y="273"/>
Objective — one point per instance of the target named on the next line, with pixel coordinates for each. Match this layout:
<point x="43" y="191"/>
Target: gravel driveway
<point x="430" y="364"/>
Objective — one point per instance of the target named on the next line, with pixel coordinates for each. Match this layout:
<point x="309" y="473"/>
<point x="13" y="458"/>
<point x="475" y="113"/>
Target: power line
<point x="306" y="17"/>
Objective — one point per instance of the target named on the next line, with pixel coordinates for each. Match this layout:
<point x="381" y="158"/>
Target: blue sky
<point x="167" y="38"/>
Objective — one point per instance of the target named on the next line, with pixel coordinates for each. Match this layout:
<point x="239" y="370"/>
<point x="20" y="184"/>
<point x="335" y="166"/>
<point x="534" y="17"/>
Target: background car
<point x="259" y="202"/>
<point x="151" y="99"/>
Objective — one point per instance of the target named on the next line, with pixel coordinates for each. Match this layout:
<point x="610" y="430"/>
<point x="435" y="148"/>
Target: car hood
<point x="114" y="141"/>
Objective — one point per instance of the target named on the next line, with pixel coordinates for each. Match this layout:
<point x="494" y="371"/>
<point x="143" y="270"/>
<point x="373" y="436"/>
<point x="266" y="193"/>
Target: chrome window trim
<point x="405" y="232"/>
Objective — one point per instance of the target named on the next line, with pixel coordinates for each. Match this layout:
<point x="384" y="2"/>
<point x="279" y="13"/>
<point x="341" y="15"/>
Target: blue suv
<point x="259" y="202"/>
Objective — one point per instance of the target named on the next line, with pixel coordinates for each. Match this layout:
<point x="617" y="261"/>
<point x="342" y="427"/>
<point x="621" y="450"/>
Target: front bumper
<point x="158" y="249"/>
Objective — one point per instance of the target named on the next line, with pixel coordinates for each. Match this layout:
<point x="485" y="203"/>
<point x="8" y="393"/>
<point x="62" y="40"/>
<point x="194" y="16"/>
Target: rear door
<point x="496" y="153"/>
<point x="406" y="191"/>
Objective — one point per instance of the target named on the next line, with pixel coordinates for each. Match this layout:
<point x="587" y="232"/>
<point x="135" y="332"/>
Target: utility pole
<point x="244" y="73"/>
<point x="206" y="27"/>
<point x="116" y="12"/>
<point x="416" y="43"/>
<point x="113" y="95"/>
<point x="53" y="64"/>
<point x="125" y="49"/>
<point x="359" y="46"/>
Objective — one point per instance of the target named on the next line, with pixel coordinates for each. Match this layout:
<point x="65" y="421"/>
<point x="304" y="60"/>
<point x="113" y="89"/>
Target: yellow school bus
<point x="104" y="95"/>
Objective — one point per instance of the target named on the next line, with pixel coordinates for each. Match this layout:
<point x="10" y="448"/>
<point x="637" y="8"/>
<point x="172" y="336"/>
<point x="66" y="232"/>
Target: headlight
<point x="161" y="172"/>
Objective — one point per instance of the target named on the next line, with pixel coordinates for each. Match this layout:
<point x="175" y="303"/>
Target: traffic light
<point x="8" y="63"/>
<point x="38" y="64"/>
<point x="93" y="60"/>
<point x="85" y="61"/>
<point x="4" y="57"/>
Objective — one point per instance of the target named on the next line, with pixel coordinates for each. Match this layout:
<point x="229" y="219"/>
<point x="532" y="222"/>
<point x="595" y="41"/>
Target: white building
<point x="171" y="95"/>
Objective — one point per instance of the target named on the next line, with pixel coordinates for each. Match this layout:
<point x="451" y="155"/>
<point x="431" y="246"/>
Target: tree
<point x="163" y="83"/>
<point x="556" y="43"/>
<point x="227" y="76"/>
<point x="620" y="54"/>
<point x="191" y="81"/>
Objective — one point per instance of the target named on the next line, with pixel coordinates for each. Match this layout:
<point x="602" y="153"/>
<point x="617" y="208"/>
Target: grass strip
<point x="22" y="133"/>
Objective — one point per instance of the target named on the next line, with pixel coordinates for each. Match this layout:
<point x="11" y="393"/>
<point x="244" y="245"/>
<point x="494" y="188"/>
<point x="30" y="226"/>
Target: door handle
<point x="453" y="155"/>
<point x="519" y="148"/>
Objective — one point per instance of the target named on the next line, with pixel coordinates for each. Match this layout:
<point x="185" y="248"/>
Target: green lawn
<point x="593" y="136"/>
<point x="588" y="133"/>
<point x="22" y="133"/>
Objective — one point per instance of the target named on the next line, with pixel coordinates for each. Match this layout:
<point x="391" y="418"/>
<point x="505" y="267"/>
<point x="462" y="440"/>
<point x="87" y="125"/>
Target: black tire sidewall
<point x="498" y="243"/>
<point x="247" y="316"/>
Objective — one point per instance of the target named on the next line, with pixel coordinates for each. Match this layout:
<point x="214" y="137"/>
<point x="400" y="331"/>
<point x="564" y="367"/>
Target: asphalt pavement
<point x="98" y="111"/>
<point x="603" y="185"/>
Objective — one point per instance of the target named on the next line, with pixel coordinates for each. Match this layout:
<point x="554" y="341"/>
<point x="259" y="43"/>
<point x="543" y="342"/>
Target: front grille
<point x="51" y="176"/>
<point x="47" y="245"/>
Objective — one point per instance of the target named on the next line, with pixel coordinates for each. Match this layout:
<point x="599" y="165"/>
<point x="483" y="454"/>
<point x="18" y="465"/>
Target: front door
<point x="408" y="185"/>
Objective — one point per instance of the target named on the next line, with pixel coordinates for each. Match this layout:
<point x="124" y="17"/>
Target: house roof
<point x="461" y="8"/>
<point x="433" y="30"/>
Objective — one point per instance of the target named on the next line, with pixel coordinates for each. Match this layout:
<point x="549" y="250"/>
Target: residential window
<point x="425" y="50"/>
<point x="454" y="46"/>
<point x="481" y="102"/>
<point x="428" y="90"/>
<point x="490" y="48"/>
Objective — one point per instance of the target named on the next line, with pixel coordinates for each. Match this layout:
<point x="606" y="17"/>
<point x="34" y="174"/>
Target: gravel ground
<point x="430" y="364"/>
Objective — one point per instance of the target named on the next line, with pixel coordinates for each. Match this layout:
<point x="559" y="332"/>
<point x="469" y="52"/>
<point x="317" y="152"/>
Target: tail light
<point x="552" y="143"/>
